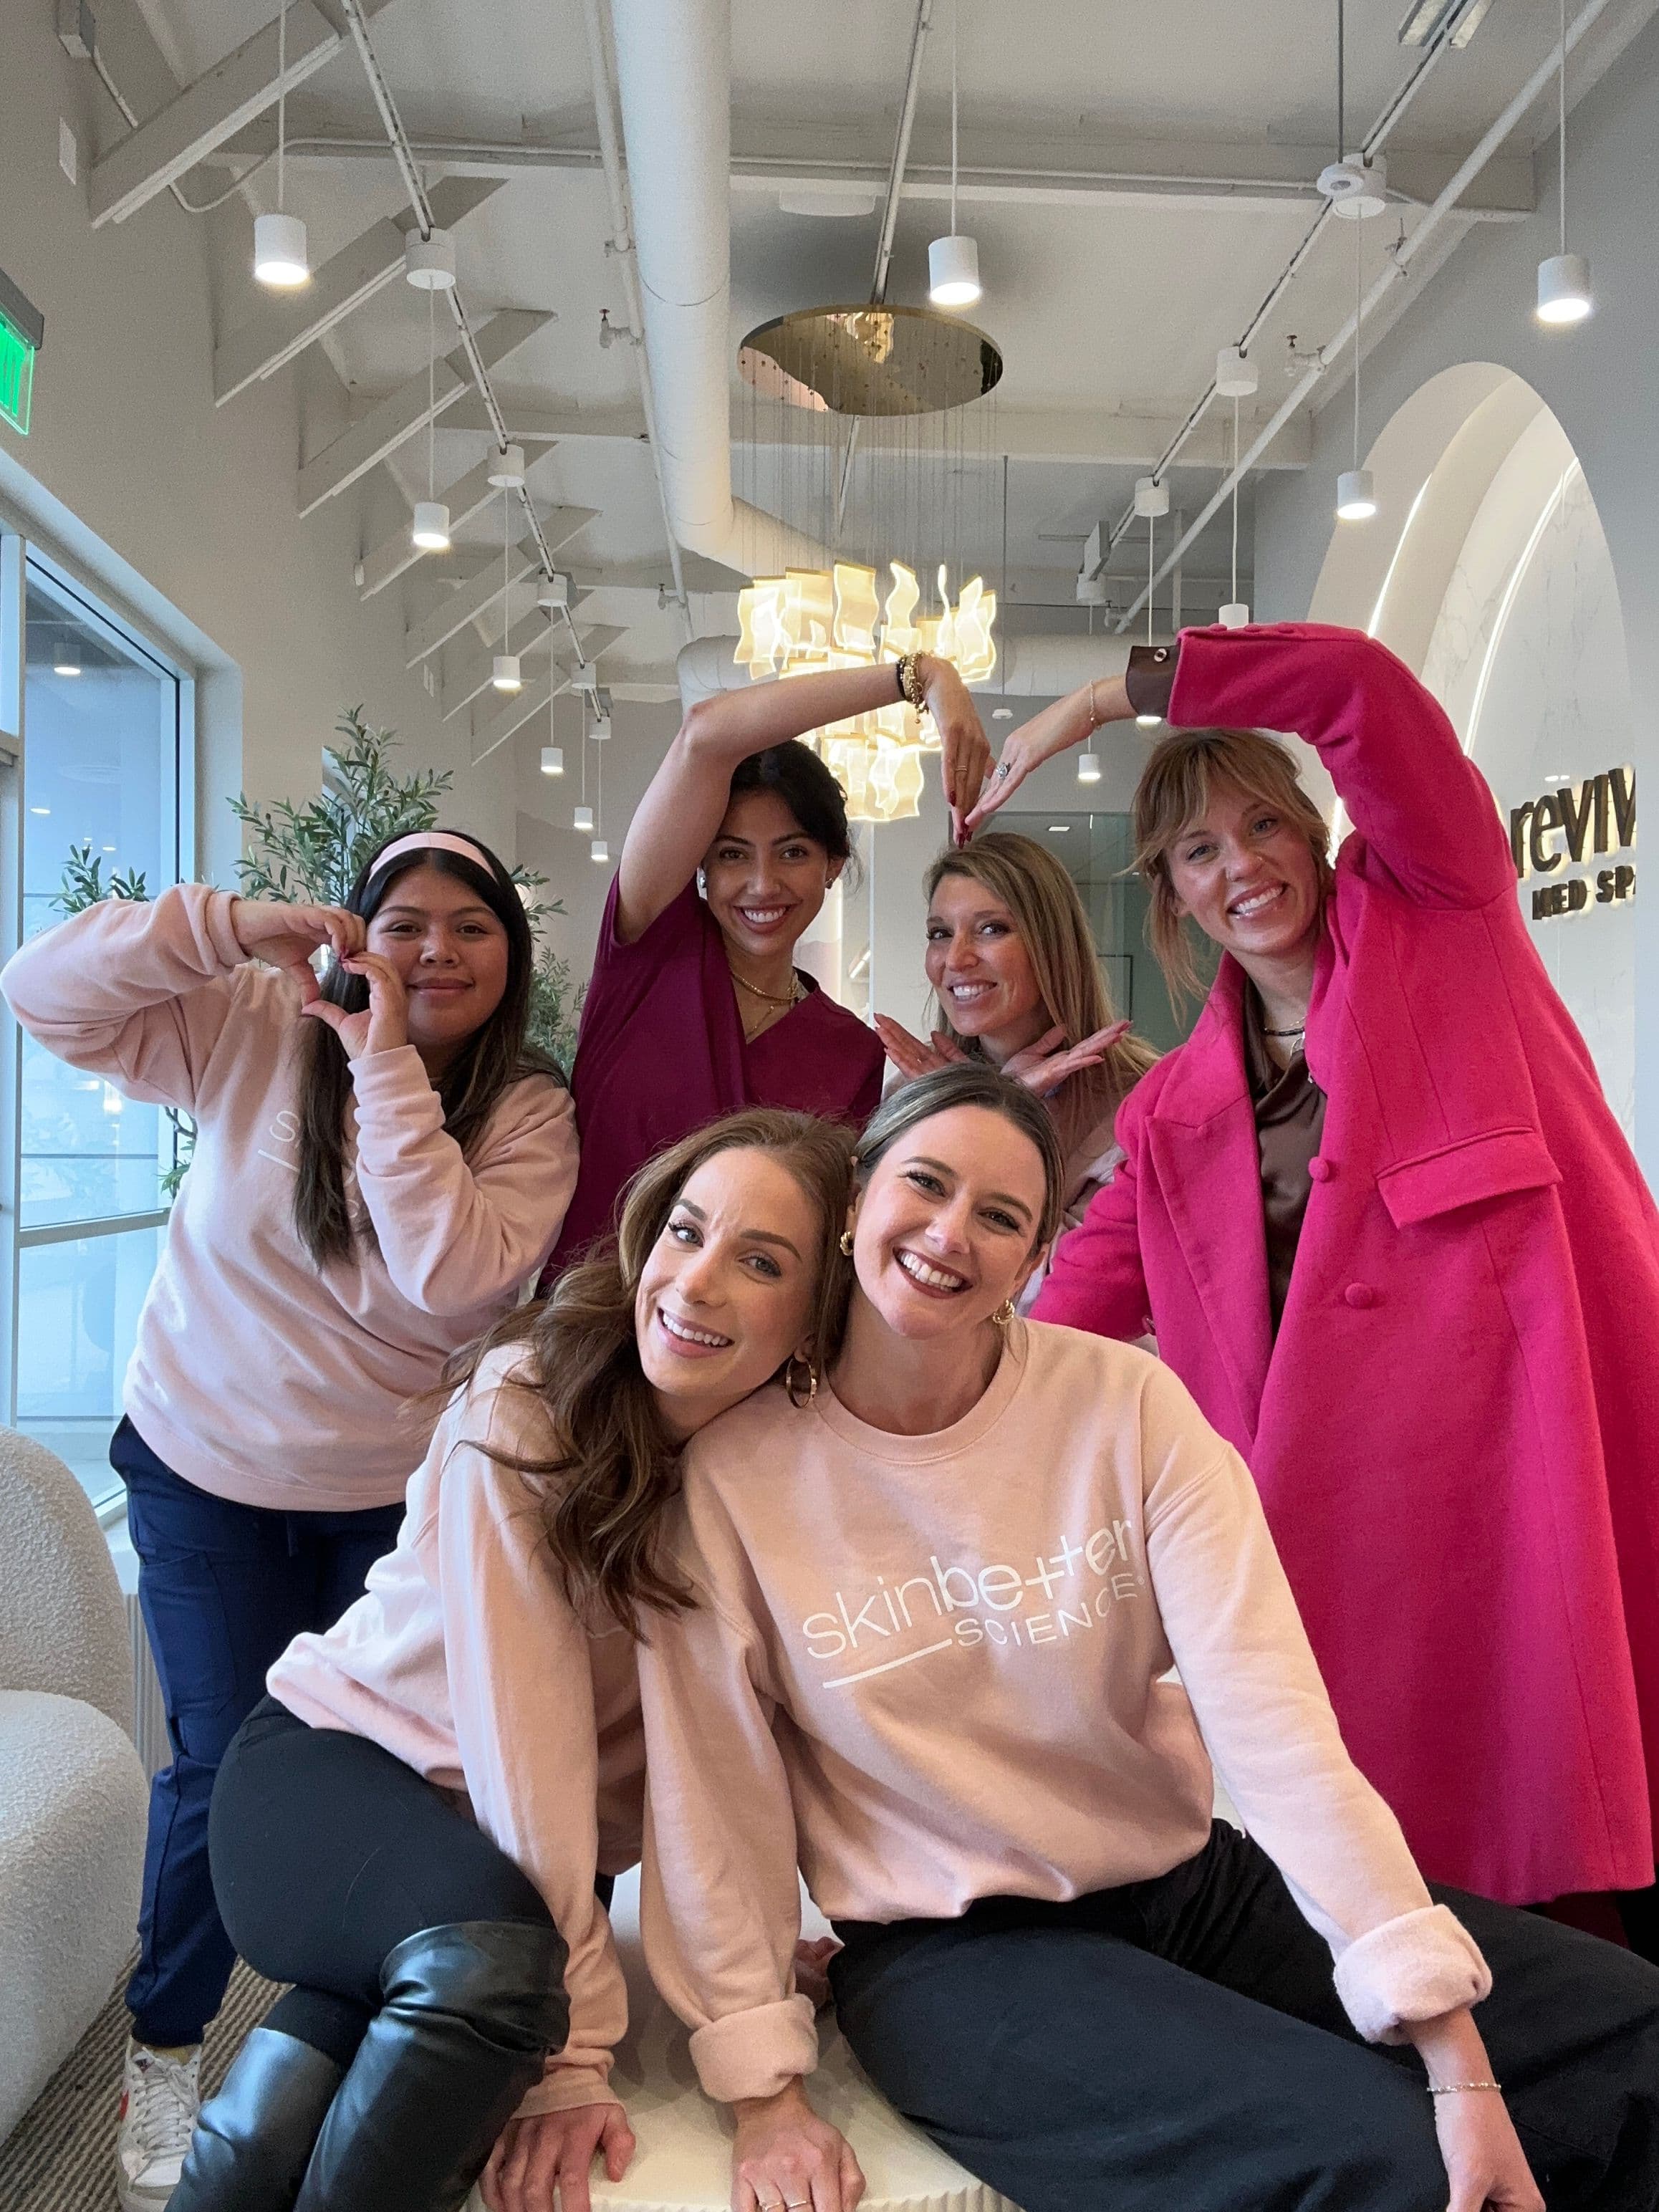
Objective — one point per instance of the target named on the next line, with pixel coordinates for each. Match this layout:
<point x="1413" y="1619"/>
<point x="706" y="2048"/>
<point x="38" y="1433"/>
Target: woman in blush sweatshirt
<point x="380" y="1165"/>
<point x="939" y="1607"/>
<point x="411" y="1826"/>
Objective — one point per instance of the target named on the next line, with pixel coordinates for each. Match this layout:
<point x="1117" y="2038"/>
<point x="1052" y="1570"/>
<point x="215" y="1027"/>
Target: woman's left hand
<point x="533" y="2156"/>
<point x="964" y="749"/>
<point x="908" y="1055"/>
<point x="383" y="1026"/>
<point x="1484" y="2163"/>
<point x="1042" y="1068"/>
<point x="812" y="1969"/>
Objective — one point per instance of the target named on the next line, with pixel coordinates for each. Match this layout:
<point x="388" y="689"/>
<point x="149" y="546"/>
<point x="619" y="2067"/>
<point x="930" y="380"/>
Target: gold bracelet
<point x="1456" y="2088"/>
<point x="909" y="680"/>
<point x="1094" y="718"/>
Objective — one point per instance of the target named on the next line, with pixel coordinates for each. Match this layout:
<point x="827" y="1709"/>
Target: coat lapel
<point x="1203" y="1138"/>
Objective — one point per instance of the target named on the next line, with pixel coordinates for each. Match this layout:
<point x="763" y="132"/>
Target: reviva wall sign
<point x="1560" y="828"/>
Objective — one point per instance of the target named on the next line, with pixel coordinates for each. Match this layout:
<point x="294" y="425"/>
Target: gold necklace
<point x="796" y="994"/>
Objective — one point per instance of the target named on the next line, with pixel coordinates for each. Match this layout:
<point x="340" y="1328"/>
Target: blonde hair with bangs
<point x="1181" y="777"/>
<point x="1054" y="930"/>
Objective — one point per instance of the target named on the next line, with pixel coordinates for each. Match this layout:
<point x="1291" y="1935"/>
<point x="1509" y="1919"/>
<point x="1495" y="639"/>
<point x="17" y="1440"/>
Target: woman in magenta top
<point x="697" y="1008"/>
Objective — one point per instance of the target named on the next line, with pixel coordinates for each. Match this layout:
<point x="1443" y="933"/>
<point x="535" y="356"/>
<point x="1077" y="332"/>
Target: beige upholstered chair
<point x="73" y="1795"/>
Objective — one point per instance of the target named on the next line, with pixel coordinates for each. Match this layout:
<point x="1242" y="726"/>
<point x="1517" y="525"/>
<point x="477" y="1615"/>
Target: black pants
<point x="1179" y="2042"/>
<point x="327" y="1852"/>
<point x="224" y="1589"/>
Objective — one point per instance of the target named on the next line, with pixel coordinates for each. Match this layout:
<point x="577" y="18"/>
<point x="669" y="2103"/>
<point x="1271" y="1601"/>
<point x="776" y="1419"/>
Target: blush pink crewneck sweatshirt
<point x="463" y="1659"/>
<point x="934" y="1669"/>
<point x="256" y="1376"/>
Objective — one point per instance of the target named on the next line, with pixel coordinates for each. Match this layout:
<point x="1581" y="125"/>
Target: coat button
<point x="1319" y="1170"/>
<point x="1360" y="1295"/>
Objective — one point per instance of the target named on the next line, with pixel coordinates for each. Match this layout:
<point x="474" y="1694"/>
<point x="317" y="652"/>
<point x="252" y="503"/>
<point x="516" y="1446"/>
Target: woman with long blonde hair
<point x="1016" y="983"/>
<point x="1391" y="1237"/>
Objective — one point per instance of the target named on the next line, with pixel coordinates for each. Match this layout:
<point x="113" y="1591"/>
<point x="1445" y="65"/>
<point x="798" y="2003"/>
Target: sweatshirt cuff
<point x="1412" y="1968"/>
<point x="391" y="1078"/>
<point x="564" y="2085"/>
<point x="758" y="2052"/>
<point x="222" y="940"/>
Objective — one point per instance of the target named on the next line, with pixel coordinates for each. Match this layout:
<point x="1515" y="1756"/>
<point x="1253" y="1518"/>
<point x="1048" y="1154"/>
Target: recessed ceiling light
<point x="1002" y="714"/>
<point x="39" y="809"/>
<point x="1060" y="828"/>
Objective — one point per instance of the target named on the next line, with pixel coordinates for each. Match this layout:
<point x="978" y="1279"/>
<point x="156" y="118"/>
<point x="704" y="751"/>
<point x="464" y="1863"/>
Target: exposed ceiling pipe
<point x="1373" y="144"/>
<point x="674" y="82"/>
<point x="621" y="245"/>
<point x="1399" y="264"/>
<point x="1037" y="666"/>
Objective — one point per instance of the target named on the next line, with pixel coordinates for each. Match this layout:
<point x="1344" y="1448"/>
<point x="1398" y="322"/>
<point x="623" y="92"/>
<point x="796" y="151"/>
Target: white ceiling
<point x="1109" y="304"/>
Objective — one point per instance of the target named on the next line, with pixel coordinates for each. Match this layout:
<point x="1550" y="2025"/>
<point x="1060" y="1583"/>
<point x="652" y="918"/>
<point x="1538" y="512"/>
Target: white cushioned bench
<point x="683" y="2161"/>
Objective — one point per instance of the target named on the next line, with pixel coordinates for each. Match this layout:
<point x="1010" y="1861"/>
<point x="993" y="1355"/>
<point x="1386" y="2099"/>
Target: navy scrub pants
<point x="1179" y="2042"/>
<point x="224" y="1589"/>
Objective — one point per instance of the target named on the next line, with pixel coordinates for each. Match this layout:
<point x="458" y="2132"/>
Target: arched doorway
<point x="1488" y="571"/>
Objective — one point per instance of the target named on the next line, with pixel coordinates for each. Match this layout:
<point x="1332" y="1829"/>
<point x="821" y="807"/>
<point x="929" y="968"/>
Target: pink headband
<point x="428" y="841"/>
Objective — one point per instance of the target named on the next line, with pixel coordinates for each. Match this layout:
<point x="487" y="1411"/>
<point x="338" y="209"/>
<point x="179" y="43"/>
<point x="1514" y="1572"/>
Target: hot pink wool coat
<point x="1457" y="1433"/>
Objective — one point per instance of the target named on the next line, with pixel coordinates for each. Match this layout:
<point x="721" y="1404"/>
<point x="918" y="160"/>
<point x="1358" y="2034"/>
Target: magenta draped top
<point x="661" y="1051"/>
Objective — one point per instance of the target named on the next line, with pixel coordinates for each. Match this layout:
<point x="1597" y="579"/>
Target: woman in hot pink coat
<point x="1451" y="1400"/>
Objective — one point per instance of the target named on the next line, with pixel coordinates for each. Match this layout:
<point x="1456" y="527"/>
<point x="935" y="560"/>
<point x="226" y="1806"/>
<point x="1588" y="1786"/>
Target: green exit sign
<point x="22" y="327"/>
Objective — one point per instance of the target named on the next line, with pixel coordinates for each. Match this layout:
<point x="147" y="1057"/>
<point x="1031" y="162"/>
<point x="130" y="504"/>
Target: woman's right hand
<point x="286" y="936"/>
<point x="785" y="2158"/>
<point x="908" y="1055"/>
<point x="1045" y="1066"/>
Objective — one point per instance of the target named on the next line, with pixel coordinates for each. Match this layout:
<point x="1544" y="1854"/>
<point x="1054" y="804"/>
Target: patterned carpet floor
<point x="61" y="2156"/>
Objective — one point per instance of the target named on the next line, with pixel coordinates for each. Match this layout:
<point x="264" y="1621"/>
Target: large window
<point x="102" y="778"/>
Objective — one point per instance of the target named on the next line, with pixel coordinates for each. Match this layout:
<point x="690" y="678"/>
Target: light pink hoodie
<point x="257" y="1375"/>
<point x="936" y="1669"/>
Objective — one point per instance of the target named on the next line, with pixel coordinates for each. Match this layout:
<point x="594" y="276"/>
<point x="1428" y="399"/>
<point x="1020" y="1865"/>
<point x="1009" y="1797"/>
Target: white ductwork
<point x="1035" y="667"/>
<point x="674" y="86"/>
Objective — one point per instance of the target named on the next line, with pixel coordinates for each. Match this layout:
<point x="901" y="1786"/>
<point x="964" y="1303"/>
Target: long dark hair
<point x="494" y="1056"/>
<point x="604" y="1490"/>
<point x="807" y="788"/>
<point x="963" y="1083"/>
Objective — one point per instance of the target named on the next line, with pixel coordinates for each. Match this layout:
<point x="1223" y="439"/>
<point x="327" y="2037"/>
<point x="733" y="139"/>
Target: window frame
<point x="22" y="550"/>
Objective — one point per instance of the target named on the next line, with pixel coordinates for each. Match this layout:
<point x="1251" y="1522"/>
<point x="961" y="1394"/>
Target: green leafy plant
<point x="555" y="1009"/>
<point x="83" y="885"/>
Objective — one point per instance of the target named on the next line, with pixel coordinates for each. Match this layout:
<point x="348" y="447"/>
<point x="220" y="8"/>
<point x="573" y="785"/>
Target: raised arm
<point x="675" y="822"/>
<point x="720" y="1900"/>
<point x="457" y="1233"/>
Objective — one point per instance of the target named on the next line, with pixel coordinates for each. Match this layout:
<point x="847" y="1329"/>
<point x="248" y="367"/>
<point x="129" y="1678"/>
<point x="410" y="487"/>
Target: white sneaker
<point x="160" y="2097"/>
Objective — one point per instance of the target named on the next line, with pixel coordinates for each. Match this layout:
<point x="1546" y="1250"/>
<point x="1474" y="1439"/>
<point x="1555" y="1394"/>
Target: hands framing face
<point x="1043" y="1066"/>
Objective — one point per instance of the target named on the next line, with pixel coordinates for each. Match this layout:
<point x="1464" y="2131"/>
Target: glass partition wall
<point x="96" y="727"/>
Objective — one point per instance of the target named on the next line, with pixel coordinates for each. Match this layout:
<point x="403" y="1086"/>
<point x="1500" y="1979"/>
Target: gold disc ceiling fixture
<point x="850" y="365"/>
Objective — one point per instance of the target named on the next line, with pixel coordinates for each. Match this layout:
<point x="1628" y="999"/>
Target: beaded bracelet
<point x="1453" y="2089"/>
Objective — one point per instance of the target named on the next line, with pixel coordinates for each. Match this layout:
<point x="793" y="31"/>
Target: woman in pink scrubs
<point x="697" y="1008"/>
<point x="1393" y="1240"/>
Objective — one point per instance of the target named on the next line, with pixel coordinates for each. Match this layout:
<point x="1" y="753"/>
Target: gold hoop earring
<point x="1003" y="1313"/>
<point x="800" y="1394"/>
<point x="844" y="1246"/>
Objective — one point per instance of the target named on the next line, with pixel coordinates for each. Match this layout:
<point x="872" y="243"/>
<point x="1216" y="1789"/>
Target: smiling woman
<point x="381" y="1164"/>
<point x="697" y="1008"/>
<point x="943" y="1596"/>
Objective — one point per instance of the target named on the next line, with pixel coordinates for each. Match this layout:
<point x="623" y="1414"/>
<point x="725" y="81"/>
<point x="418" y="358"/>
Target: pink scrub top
<point x="661" y="1052"/>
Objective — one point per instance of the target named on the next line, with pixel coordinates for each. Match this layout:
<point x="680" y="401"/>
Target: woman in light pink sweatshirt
<point x="939" y="1605"/>
<point x="411" y="1826"/>
<point x="380" y="1165"/>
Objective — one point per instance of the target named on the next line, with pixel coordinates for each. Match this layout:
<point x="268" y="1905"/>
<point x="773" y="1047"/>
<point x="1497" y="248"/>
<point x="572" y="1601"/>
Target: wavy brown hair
<point x="1054" y="929"/>
<point x="604" y="1490"/>
<point x="494" y="1058"/>
<point x="1182" y="771"/>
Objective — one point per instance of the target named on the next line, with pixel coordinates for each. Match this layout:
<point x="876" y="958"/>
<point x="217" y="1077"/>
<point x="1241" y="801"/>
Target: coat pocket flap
<point x="1489" y="1166"/>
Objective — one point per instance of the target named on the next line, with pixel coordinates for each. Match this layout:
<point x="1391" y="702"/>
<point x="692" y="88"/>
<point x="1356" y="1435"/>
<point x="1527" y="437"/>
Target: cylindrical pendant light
<point x="430" y="529"/>
<point x="552" y="760"/>
<point x="280" y="258"/>
<point x="599" y="850"/>
<point x="429" y="266"/>
<point x="1564" y="281"/>
<point x="1088" y="768"/>
<point x="953" y="262"/>
<point x="582" y="819"/>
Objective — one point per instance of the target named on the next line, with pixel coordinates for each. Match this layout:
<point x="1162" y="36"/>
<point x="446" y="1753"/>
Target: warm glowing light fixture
<point x="808" y="619"/>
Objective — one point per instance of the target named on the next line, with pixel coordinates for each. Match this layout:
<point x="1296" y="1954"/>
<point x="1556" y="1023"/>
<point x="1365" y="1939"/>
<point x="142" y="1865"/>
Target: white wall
<point x="182" y="513"/>
<point x="1596" y="379"/>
